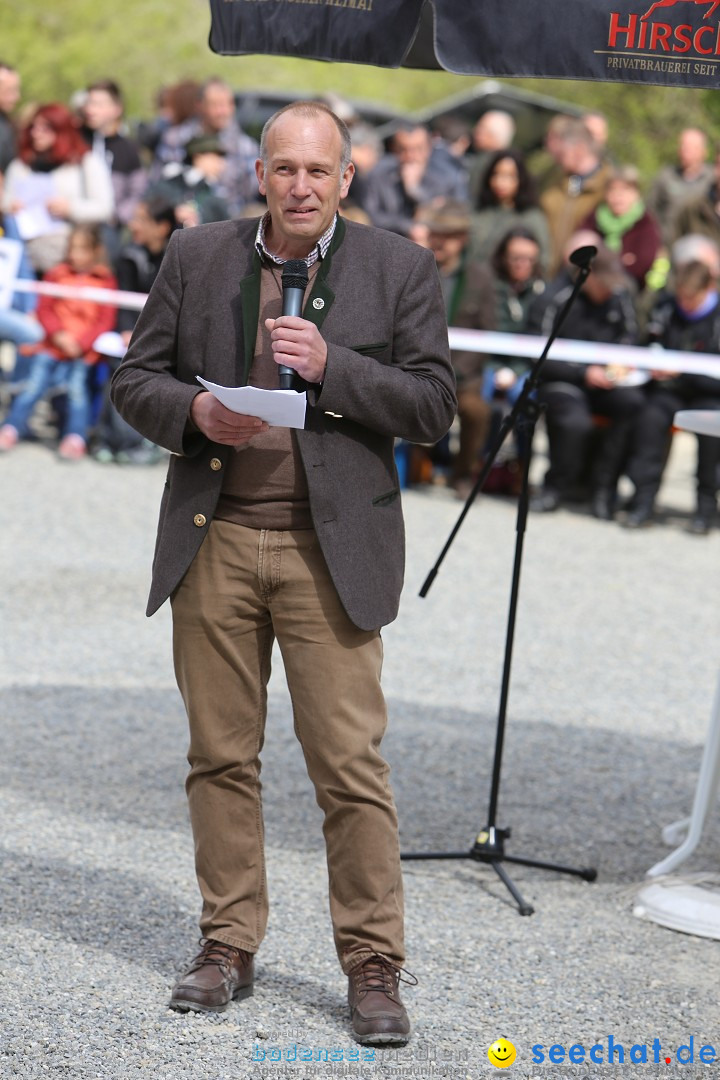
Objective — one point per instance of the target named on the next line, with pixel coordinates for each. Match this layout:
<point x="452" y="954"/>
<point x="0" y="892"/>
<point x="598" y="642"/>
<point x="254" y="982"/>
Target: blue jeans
<point x="19" y="328"/>
<point x="46" y="373"/>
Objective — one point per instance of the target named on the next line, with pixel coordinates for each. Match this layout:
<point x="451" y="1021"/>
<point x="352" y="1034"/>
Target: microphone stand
<point x="489" y="846"/>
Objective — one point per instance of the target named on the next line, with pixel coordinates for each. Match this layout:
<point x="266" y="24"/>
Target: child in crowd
<point x="71" y="325"/>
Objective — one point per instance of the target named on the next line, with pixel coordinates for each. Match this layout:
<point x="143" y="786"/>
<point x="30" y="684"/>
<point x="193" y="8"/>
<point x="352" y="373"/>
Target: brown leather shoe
<point x="378" y="1015"/>
<point x="218" y="975"/>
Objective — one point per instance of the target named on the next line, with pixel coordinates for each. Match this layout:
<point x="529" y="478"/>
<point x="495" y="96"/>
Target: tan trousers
<point x="245" y="588"/>
<point x="474" y="414"/>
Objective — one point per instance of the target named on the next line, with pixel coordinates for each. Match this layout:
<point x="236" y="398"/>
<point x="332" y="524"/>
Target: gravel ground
<point x="613" y="676"/>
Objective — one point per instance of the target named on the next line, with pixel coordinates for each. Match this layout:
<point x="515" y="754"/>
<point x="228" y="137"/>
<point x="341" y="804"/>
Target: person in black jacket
<point x="136" y="268"/>
<point x="686" y="320"/>
<point x="9" y="97"/>
<point x="575" y="393"/>
<point x="139" y="261"/>
<point x="102" y="114"/>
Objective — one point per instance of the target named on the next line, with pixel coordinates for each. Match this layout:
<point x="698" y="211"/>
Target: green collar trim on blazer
<point x="321" y="291"/>
<point x="316" y="313"/>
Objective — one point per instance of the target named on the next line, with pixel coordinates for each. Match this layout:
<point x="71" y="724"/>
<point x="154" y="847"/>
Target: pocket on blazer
<point x="387" y="498"/>
<point x="370" y="350"/>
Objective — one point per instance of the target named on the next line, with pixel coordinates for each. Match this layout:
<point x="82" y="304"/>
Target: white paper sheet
<point x="33" y="192"/>
<point x="35" y="189"/>
<point x="279" y="408"/>
<point x="110" y="343"/>
<point x="33" y="221"/>
<point x="10" y="256"/>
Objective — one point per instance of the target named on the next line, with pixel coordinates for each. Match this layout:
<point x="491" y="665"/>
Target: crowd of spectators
<point x="86" y="200"/>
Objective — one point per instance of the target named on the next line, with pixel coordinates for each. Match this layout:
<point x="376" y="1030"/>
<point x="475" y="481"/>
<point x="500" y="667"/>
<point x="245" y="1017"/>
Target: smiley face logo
<point x="501" y="1053"/>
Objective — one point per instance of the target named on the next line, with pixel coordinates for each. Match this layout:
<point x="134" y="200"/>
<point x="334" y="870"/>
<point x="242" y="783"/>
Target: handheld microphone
<point x="294" y="284"/>
<point x="583" y="256"/>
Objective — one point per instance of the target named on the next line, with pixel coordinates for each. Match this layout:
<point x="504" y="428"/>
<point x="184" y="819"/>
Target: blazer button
<point x="200" y="520"/>
<point x="215" y="464"/>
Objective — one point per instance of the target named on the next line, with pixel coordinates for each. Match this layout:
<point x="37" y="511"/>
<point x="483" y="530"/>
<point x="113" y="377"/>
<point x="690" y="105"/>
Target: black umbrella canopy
<point x="667" y="42"/>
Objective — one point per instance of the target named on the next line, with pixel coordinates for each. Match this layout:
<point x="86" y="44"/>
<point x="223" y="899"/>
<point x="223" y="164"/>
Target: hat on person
<point x="607" y="267"/>
<point x="204" y="144"/>
<point x="445" y="216"/>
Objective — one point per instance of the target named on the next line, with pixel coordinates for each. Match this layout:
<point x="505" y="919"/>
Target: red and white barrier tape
<point x="586" y="352"/>
<point x="485" y="341"/>
<point x="133" y="301"/>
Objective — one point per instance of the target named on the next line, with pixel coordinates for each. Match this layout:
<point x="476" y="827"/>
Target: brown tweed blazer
<point x="388" y="374"/>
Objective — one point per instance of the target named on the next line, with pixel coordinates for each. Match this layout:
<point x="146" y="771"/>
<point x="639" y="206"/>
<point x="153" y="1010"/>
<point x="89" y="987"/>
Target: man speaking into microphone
<point x="266" y="533"/>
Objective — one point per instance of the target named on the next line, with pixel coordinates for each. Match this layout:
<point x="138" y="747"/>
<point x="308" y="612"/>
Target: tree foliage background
<point x="61" y="45"/>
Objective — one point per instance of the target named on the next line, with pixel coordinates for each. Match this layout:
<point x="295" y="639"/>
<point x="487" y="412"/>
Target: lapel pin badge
<point x="318" y="303"/>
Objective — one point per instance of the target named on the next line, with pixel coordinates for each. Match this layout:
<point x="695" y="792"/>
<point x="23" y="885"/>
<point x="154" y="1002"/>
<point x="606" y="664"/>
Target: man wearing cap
<point x="443" y="225"/>
<point x="193" y="188"/>
<point x="267" y="533"/>
<point x="447" y="227"/>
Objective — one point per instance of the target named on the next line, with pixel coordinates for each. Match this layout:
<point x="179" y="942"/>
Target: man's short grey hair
<point x="366" y="135"/>
<point x="574" y="131"/>
<point x="215" y="82"/>
<point x="695" y="247"/>
<point x="310" y="108"/>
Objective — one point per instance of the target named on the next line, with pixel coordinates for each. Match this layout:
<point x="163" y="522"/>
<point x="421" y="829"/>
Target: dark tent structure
<point x="667" y="42"/>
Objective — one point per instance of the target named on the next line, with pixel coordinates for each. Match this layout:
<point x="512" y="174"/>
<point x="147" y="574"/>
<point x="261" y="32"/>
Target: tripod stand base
<point x="489" y="847"/>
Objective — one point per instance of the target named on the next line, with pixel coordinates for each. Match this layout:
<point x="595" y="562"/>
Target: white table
<point x="688" y="831"/>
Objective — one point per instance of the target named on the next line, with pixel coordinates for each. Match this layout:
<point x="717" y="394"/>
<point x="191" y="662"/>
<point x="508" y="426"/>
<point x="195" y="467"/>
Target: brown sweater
<point x="264" y="485"/>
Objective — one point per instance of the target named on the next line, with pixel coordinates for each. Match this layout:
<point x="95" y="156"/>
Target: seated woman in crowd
<point x="627" y="228"/>
<point x="63" y="357"/>
<point x="495" y="296"/>
<point x="687" y="320"/>
<point x="507" y="198"/>
<point x="574" y="393"/>
<point x="56" y="182"/>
